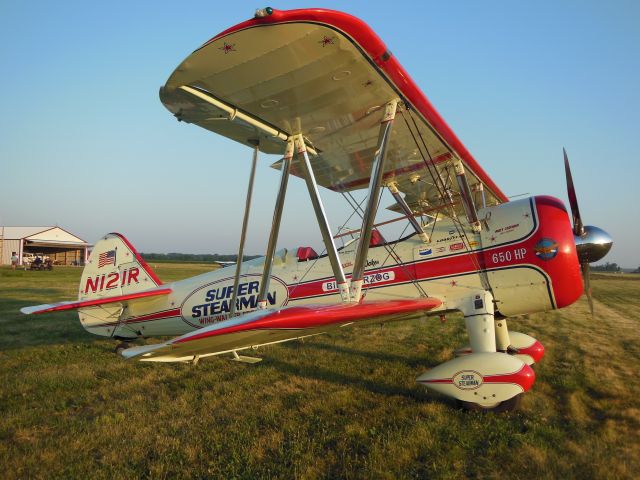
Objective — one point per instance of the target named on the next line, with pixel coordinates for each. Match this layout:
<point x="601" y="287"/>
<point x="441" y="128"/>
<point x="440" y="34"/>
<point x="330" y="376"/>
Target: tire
<point x="506" y="406"/>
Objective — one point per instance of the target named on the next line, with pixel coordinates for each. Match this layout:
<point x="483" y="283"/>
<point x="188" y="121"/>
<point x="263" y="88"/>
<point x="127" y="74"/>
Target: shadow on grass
<point x="417" y="394"/>
<point x="412" y="361"/>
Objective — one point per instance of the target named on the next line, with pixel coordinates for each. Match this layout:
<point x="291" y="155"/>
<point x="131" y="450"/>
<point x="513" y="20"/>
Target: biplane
<point x="321" y="90"/>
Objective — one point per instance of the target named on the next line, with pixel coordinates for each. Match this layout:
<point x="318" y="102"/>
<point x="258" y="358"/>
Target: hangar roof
<point x="47" y="234"/>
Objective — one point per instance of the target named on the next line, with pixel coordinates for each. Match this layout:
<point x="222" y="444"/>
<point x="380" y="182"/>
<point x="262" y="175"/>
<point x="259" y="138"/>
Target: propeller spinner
<point x="592" y="243"/>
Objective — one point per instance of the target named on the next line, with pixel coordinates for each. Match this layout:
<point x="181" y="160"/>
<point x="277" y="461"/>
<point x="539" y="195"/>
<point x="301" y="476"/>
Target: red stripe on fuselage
<point x="431" y="269"/>
<point x="143" y="318"/>
<point x="155" y="316"/>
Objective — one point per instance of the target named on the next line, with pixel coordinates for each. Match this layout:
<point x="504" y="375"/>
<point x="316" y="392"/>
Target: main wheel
<point x="499" y="407"/>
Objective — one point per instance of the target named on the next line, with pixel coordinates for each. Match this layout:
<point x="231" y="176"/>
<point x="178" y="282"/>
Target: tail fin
<point x="116" y="278"/>
<point x="115" y="268"/>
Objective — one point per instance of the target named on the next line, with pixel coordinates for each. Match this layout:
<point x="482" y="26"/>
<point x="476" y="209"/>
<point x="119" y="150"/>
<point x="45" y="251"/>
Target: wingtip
<point x="35" y="309"/>
<point x="140" y="351"/>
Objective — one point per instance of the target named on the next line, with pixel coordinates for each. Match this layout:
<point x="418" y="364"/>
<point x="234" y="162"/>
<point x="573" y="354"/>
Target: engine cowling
<point x="530" y="253"/>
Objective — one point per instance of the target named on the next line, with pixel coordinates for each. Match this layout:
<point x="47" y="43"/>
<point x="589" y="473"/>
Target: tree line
<point x="607" y="267"/>
<point x="193" y="257"/>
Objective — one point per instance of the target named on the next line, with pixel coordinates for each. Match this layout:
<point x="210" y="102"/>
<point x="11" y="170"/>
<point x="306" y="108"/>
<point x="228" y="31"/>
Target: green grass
<point x="344" y="405"/>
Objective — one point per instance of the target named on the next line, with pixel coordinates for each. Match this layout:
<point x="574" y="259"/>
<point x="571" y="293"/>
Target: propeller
<point x="578" y="227"/>
<point x="592" y="243"/>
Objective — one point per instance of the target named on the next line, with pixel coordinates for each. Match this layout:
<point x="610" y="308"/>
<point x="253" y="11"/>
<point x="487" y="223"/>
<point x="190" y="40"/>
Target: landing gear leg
<point x="479" y="319"/>
<point x="487" y="335"/>
<point x="502" y="336"/>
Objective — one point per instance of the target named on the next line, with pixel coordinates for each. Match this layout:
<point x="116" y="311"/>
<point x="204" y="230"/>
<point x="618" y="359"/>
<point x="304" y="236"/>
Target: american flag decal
<point x="107" y="258"/>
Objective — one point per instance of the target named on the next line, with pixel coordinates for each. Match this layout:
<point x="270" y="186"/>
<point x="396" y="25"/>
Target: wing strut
<point x="237" y="115"/>
<point x="467" y="198"/>
<point x="393" y="188"/>
<point x="243" y="234"/>
<point x="372" y="202"/>
<point x="275" y="228"/>
<point x="484" y="198"/>
<point x="321" y="216"/>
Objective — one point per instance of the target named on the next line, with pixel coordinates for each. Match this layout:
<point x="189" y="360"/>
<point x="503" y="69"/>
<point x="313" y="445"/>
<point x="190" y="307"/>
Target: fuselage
<point x="525" y="256"/>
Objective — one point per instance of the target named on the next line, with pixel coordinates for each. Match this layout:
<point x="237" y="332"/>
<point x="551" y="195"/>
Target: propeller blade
<point x="586" y="275"/>
<point x="578" y="228"/>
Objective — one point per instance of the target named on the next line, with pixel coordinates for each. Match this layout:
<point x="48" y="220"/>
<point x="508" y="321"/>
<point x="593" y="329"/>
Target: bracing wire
<point x="392" y="253"/>
<point x="444" y="193"/>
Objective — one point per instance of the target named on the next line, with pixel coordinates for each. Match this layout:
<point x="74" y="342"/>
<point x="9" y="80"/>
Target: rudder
<point x="114" y="268"/>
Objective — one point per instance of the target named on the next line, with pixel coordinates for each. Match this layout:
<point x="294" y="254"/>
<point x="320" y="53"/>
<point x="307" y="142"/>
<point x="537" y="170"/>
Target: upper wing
<point x="269" y="326"/>
<point x="326" y="75"/>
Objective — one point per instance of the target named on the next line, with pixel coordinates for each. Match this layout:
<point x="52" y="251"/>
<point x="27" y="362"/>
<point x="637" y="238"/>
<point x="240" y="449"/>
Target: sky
<point x="86" y="144"/>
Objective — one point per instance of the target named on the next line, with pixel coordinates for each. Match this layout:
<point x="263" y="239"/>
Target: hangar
<point x="62" y="247"/>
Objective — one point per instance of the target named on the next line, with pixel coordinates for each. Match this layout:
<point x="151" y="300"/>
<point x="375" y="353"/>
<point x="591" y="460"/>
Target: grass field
<point x="344" y="405"/>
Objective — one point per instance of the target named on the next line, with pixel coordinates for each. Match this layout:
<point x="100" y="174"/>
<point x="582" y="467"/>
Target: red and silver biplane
<point x="321" y="89"/>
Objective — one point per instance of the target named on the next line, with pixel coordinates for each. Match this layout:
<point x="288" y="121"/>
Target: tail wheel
<point x="506" y="406"/>
<point x="121" y="347"/>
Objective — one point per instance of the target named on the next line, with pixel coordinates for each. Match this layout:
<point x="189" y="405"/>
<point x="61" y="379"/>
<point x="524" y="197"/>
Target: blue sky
<point x="86" y="144"/>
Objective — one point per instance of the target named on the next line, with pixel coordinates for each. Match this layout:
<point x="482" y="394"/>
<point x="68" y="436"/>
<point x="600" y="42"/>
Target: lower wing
<point x="271" y="326"/>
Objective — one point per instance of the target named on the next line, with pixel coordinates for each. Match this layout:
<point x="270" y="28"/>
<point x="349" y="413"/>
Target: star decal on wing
<point x="327" y="41"/>
<point x="228" y="47"/>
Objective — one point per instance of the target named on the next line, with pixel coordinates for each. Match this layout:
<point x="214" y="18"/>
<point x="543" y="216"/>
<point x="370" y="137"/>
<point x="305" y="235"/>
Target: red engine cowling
<point x="554" y="250"/>
<point x="534" y="267"/>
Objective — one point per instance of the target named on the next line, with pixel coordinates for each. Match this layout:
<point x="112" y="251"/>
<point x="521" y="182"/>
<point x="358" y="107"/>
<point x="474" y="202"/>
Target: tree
<point x="607" y="267"/>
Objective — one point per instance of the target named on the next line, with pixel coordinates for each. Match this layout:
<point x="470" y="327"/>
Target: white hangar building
<point x="62" y="247"/>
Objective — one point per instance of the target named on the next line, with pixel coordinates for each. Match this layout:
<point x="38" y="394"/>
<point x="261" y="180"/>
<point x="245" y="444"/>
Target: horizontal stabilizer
<point x="74" y="305"/>
<point x="263" y="327"/>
